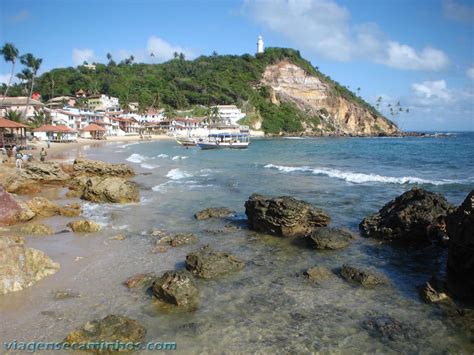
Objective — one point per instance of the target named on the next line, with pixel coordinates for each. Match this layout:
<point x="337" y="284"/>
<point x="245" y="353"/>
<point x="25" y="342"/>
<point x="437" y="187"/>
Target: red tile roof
<point x="93" y="127"/>
<point x="4" y="123"/>
<point x="50" y="128"/>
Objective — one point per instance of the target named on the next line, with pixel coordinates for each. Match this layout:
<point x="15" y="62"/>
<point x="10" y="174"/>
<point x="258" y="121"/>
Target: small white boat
<point x="225" y="141"/>
<point x="186" y="142"/>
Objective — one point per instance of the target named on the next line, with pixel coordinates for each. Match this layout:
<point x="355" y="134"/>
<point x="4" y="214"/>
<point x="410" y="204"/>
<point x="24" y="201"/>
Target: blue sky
<point x="420" y="53"/>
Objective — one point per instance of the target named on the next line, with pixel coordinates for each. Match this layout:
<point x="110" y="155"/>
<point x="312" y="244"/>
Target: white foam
<point x="177" y="174"/>
<point x="128" y="145"/>
<point x="179" y="157"/>
<point x="294" y="138"/>
<point x="360" y="178"/>
<point x="149" y="166"/>
<point x="161" y="187"/>
<point x="162" y="155"/>
<point x="136" y="158"/>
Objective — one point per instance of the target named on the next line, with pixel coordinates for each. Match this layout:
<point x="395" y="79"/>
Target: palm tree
<point x="109" y="57"/>
<point x="33" y="64"/>
<point x="182" y="57"/>
<point x="175" y="55"/>
<point x="41" y="118"/>
<point x="169" y="113"/>
<point x="25" y="76"/>
<point x="10" y="53"/>
<point x="13" y="116"/>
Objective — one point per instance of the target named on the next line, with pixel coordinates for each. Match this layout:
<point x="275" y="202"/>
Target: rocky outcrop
<point x="176" y="240"/>
<point x="318" y="274"/>
<point x="143" y="281"/>
<point x="42" y="207"/>
<point x="84" y="226"/>
<point x="100" y="168"/>
<point x="433" y="291"/>
<point x="71" y="210"/>
<point x="330" y="238"/>
<point x="20" y="266"/>
<point x="214" y="212"/>
<point x="284" y="216"/>
<point x="316" y="97"/>
<point x="12" y="211"/>
<point x="110" y="189"/>
<point x="363" y="277"/>
<point x="208" y="263"/>
<point x="110" y="329"/>
<point x="177" y="288"/>
<point x="460" y="227"/>
<point x="415" y="217"/>
<point x="37" y="229"/>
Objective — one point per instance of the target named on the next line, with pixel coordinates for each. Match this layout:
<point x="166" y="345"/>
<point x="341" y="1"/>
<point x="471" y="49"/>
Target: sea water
<point x="267" y="307"/>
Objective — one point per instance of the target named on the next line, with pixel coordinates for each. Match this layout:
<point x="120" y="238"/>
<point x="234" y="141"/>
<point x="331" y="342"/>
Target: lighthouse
<point x="259" y="44"/>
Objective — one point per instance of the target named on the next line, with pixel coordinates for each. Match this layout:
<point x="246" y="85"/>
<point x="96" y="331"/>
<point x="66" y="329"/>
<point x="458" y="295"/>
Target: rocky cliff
<point x="288" y="83"/>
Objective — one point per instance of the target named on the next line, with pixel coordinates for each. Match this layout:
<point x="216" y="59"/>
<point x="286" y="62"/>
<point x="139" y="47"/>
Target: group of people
<point x="19" y="156"/>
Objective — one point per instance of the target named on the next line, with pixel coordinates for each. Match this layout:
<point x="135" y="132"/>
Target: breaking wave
<point x="176" y="174"/>
<point x="136" y="158"/>
<point x="360" y="178"/>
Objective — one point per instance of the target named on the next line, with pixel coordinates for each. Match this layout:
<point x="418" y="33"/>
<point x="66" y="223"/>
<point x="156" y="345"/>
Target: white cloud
<point x="436" y="90"/>
<point x="323" y="27"/>
<point x="4" y="78"/>
<point x="21" y="16"/>
<point x="470" y="73"/>
<point x="163" y="51"/>
<point x="81" y="55"/>
<point x="458" y="12"/>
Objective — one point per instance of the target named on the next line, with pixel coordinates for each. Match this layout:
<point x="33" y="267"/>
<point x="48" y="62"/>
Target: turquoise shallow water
<point x="267" y="307"/>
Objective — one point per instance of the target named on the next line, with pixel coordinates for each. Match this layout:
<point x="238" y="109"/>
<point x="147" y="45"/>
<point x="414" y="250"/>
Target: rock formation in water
<point x="177" y="288"/>
<point x="317" y="97"/>
<point x="460" y="228"/>
<point x="208" y="263"/>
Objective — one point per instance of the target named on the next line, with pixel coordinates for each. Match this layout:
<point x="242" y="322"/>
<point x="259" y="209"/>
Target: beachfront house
<point x="55" y="133"/>
<point x="61" y="102"/>
<point x="102" y="101"/>
<point x="93" y="131"/>
<point x="229" y="113"/>
<point x="19" y="105"/>
<point x="12" y="133"/>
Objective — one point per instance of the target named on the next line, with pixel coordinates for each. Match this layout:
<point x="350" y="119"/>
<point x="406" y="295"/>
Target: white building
<point x="230" y="113"/>
<point x="19" y="104"/>
<point x="260" y="44"/>
<point x="103" y="101"/>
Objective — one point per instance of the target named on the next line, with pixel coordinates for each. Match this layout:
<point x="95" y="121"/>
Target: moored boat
<point x="225" y="141"/>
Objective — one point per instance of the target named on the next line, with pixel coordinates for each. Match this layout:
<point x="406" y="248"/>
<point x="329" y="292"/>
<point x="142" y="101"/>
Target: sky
<point x="419" y="53"/>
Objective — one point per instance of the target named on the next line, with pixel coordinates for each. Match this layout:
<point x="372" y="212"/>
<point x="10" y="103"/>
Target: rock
<point x="415" y="217"/>
<point x="318" y="274"/>
<point x="176" y="240"/>
<point x="20" y="266"/>
<point x="389" y="328"/>
<point x="330" y="238"/>
<point x="22" y="186"/>
<point x="208" y="263"/>
<point x="177" y="288"/>
<point x="364" y="277"/>
<point x="110" y="189"/>
<point x="46" y="172"/>
<point x="11" y="211"/>
<point x="37" y="229"/>
<point x="71" y="210"/>
<point x="110" y="329"/>
<point x="65" y="294"/>
<point x="140" y="281"/>
<point x="460" y="227"/>
<point x="433" y="292"/>
<point x="214" y="212"/>
<point x="43" y="207"/>
<point x="84" y="226"/>
<point x="284" y="216"/>
<point x="100" y="168"/>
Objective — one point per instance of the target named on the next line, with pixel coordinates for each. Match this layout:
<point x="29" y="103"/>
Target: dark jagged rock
<point x="318" y="274"/>
<point x="174" y="240"/>
<point x="330" y="238"/>
<point x="208" y="263"/>
<point x="140" y="281"/>
<point x="284" y="216"/>
<point x="364" y="277"/>
<point x="415" y="217"/>
<point x="214" y="212"/>
<point x="460" y="227"/>
<point x="433" y="291"/>
<point x="177" y="288"/>
<point x="110" y="329"/>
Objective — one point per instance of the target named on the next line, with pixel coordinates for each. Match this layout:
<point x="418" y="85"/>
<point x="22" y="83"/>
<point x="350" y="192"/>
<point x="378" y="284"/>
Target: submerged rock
<point x="318" y="274"/>
<point x="284" y="216"/>
<point x="178" y="239"/>
<point x="71" y="210"/>
<point x="20" y="266"/>
<point x="100" y="168"/>
<point x="84" y="226"/>
<point x="388" y="328"/>
<point x="12" y="211"/>
<point x="140" y="281"/>
<point x="460" y="227"/>
<point x="415" y="217"/>
<point x="208" y="263"/>
<point x="110" y="189"/>
<point x="43" y="207"/>
<point x="433" y="291"/>
<point x="110" y="329"/>
<point x="65" y="294"/>
<point x="330" y="238"/>
<point x="37" y="229"/>
<point x="364" y="277"/>
<point x="214" y="212"/>
<point x="177" y="288"/>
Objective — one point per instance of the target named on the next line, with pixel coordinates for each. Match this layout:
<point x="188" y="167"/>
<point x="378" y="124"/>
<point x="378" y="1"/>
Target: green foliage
<point x="205" y="81"/>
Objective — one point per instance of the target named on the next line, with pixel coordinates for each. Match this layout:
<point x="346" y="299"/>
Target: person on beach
<point x="49" y="143"/>
<point x="19" y="161"/>
<point x="14" y="151"/>
<point x="43" y="154"/>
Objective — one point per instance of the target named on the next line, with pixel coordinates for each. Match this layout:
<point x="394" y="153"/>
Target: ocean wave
<point x="179" y="157"/>
<point x="162" y="155"/>
<point x="136" y="158"/>
<point x="294" y="138"/>
<point x="360" y="178"/>
<point x="128" y="145"/>
<point x="149" y="166"/>
<point x="177" y="174"/>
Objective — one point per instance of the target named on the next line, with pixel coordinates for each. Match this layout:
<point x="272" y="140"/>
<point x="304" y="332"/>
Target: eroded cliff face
<point x="289" y="83"/>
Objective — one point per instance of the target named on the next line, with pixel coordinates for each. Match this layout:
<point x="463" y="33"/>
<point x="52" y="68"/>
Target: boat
<point x="186" y="142"/>
<point x="225" y="141"/>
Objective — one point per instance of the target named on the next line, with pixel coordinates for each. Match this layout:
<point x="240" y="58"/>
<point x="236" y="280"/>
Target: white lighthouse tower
<point x="259" y="44"/>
